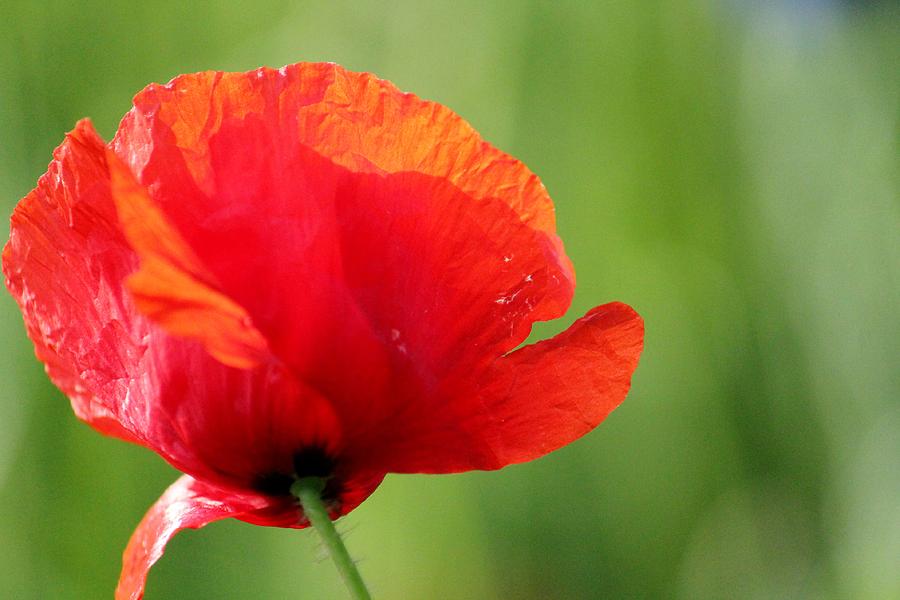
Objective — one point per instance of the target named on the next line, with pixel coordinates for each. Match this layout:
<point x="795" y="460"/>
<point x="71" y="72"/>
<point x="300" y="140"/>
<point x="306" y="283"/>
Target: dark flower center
<point x="274" y="484"/>
<point x="311" y="461"/>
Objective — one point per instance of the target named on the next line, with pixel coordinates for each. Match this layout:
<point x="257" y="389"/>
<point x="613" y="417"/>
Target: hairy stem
<point x="308" y="491"/>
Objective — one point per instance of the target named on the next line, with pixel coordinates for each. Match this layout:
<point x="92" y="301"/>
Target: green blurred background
<point x="728" y="168"/>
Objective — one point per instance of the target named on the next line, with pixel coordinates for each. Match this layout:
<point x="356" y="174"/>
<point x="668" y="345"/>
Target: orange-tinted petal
<point x="359" y="121"/>
<point x="529" y="403"/>
<point x="366" y="124"/>
<point x="173" y="287"/>
<point x="187" y="504"/>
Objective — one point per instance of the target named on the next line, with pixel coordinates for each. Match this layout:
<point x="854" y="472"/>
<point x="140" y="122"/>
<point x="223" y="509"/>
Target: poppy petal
<point x="528" y="403"/>
<point x="187" y="504"/>
<point x="445" y="288"/>
<point x="549" y="394"/>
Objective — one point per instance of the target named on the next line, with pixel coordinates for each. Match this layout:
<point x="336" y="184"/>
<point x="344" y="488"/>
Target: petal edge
<point x="577" y="377"/>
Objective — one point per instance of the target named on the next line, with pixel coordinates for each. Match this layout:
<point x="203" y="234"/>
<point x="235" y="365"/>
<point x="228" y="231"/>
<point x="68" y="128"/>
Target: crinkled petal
<point x="64" y="264"/>
<point x="187" y="504"/>
<point x="361" y="122"/>
<point x="527" y="404"/>
<point x="368" y="125"/>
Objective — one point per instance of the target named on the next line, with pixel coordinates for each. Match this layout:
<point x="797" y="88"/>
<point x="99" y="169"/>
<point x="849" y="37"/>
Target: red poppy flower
<point x="304" y="271"/>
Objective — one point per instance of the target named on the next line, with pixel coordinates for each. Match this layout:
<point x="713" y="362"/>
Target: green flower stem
<point x="308" y="491"/>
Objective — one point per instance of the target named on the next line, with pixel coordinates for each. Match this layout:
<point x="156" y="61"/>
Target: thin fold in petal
<point x="188" y="504"/>
<point x="173" y="287"/>
<point x="66" y="265"/>
<point x="529" y="403"/>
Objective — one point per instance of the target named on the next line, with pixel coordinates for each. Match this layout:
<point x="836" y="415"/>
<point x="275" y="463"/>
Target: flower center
<point x="311" y="461"/>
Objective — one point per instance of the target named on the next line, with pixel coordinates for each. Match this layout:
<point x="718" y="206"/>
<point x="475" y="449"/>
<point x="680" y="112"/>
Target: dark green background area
<point x="729" y="169"/>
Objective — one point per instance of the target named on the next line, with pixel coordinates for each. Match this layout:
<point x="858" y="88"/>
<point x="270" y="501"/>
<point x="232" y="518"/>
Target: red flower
<point x="276" y="274"/>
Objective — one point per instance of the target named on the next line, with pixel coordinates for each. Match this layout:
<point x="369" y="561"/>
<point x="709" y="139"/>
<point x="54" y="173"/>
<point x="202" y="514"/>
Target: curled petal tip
<point x="187" y="504"/>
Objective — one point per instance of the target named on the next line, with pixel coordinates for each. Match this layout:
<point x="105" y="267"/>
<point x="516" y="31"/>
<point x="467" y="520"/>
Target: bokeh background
<point x="728" y="168"/>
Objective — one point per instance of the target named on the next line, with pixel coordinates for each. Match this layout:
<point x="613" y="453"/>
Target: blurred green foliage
<point x="729" y="169"/>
